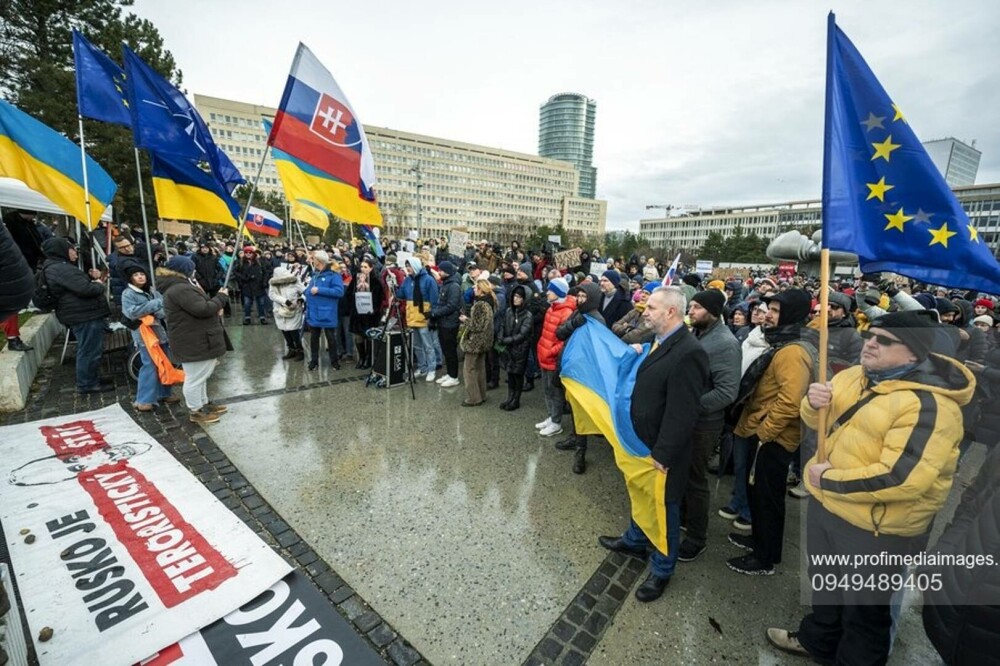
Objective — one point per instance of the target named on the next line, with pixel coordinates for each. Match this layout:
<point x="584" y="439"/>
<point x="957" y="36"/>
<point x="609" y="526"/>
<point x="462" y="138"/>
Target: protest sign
<point x="567" y="258"/>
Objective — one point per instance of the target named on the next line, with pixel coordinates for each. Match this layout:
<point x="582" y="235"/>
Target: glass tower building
<point x="566" y="132"/>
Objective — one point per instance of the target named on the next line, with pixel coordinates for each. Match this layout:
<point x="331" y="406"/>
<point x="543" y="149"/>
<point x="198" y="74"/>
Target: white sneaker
<point x="440" y="379"/>
<point x="417" y="374"/>
<point x="449" y="382"/>
<point x="431" y="375"/>
<point x="544" y="424"/>
<point x="550" y="430"/>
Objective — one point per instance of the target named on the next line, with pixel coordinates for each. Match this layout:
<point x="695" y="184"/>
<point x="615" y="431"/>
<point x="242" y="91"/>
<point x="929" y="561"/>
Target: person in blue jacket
<point x="322" y="300"/>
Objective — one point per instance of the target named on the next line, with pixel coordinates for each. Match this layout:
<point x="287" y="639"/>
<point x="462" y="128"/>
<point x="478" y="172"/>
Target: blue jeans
<point x="150" y="390"/>
<point x="660" y="565"/>
<point x="742" y="453"/>
<point x="248" y="302"/>
<point x="89" y="347"/>
<point x="423" y="347"/>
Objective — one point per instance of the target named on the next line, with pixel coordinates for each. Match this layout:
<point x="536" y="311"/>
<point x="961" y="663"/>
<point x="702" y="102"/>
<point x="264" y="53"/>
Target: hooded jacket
<point x="515" y="334"/>
<point x="322" y="307"/>
<point x="16" y="282"/>
<point x="591" y="307"/>
<point x="894" y="459"/>
<point x="975" y="348"/>
<point x="549" y="345"/>
<point x="417" y="317"/>
<point x="724" y="373"/>
<point x="449" y="304"/>
<point x="617" y="307"/>
<point x="78" y="298"/>
<point x="194" y="327"/>
<point x="285" y="291"/>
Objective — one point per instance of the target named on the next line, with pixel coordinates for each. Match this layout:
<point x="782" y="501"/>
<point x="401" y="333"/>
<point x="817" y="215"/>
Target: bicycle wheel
<point x="134" y="365"/>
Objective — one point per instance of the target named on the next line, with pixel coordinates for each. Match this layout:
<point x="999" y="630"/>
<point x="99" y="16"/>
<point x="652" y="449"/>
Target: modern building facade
<point x="957" y="161"/>
<point x="566" y="132"/>
<point x="430" y="184"/>
<point x="690" y="229"/>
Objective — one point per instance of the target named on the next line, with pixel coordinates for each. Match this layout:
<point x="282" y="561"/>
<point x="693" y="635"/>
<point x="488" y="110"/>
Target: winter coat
<point x="417" y="317"/>
<point x="285" y="291"/>
<point x="78" y="298"/>
<point x="449" y="304"/>
<point x="194" y="327"/>
<point x="973" y="349"/>
<point x="753" y="346"/>
<point x="362" y="322"/>
<point x="724" y="373"/>
<point x="137" y="303"/>
<point x="16" y="282"/>
<point x="516" y="336"/>
<point x="478" y="338"/>
<point x="649" y="273"/>
<point x="590" y="308"/>
<point x="549" y="346"/>
<point x="962" y="619"/>
<point x="252" y="276"/>
<point x="845" y="343"/>
<point x="894" y="460"/>
<point x="617" y="308"/>
<point x="24" y="234"/>
<point x="633" y="328"/>
<point x="208" y="271"/>
<point x="322" y="307"/>
<point x="987" y="431"/>
<point x="772" y="411"/>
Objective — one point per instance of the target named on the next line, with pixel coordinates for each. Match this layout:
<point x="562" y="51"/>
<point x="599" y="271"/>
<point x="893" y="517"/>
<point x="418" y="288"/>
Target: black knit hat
<point x="796" y="304"/>
<point x="692" y="279"/>
<point x="915" y="328"/>
<point x="712" y="300"/>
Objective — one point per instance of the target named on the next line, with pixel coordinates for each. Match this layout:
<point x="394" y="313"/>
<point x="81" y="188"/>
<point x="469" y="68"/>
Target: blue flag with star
<point x="100" y="84"/>
<point x="883" y="198"/>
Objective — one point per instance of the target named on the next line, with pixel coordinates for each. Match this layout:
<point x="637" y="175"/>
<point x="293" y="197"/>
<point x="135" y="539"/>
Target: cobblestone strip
<point x="193" y="447"/>
<point x="571" y="640"/>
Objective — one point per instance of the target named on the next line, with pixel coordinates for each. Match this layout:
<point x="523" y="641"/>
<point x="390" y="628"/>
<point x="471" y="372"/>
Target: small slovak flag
<point x="264" y="222"/>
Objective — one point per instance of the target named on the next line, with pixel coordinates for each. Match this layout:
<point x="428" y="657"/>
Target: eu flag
<point x="164" y="122"/>
<point x="883" y="198"/>
<point x="100" y="84"/>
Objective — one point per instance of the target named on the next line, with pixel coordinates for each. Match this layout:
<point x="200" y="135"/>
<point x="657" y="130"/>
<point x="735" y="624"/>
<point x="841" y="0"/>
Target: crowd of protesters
<point x="513" y="309"/>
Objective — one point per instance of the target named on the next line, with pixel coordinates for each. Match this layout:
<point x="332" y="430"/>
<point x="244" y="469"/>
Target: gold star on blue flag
<point x="897" y="181"/>
<point x="100" y="90"/>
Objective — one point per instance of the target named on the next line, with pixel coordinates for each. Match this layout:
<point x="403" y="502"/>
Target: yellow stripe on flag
<point x="175" y="201"/>
<point x="647" y="486"/>
<point x="330" y="194"/>
<point x="62" y="190"/>
<point x="311" y="215"/>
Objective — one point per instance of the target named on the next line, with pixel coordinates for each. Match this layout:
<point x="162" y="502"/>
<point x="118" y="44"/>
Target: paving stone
<point x="298" y="549"/>
<point x="329" y="581"/>
<point x="563" y="631"/>
<point x="227" y="468"/>
<point x="572" y="658"/>
<point x="353" y="608"/>
<point x="286" y="539"/>
<point x="342" y="594"/>
<point x="317" y="567"/>
<point x="595" y="623"/>
<point x="549" y="649"/>
<point x="534" y="661"/>
<point x="597" y="584"/>
<point x="627" y="577"/>
<point x="608" y="569"/>
<point x="402" y="654"/>
<point x="306" y="558"/>
<point x="277" y="526"/>
<point x="368" y="621"/>
<point x="585" y="601"/>
<point x="584" y="641"/>
<point x="382" y="635"/>
<point x="576" y="615"/>
<point x="617" y="592"/>
<point x="215" y="485"/>
<point x="255" y="501"/>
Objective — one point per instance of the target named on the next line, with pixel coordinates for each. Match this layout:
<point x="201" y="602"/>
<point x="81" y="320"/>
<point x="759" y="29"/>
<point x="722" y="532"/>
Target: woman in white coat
<point x="285" y="290"/>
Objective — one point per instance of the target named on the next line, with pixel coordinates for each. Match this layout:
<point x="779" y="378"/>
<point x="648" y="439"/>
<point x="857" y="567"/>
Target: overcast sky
<point x="697" y="103"/>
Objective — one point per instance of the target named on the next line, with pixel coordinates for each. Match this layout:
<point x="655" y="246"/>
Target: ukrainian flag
<point x="185" y="192"/>
<point x="310" y="213"/>
<point x="598" y="373"/>
<point x="49" y="163"/>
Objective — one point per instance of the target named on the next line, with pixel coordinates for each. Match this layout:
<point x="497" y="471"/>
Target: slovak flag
<point x="325" y="156"/>
<point x="264" y="222"/>
<point x="668" y="279"/>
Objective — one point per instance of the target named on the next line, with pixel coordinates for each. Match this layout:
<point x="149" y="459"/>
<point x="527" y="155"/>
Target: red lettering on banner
<point x="176" y="559"/>
<point x="164" y="657"/>
<point x="77" y="438"/>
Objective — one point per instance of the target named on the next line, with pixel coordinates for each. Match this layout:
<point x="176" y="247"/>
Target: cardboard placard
<point x="567" y="258"/>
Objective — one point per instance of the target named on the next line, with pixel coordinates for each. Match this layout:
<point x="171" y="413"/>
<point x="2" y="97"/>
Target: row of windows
<point x="234" y="120"/>
<point x="460" y="156"/>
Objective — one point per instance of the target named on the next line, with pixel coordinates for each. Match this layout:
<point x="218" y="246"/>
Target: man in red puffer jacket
<point x="547" y="353"/>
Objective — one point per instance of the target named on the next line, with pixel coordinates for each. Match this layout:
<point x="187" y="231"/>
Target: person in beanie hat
<point x="724" y="355"/>
<point x="323" y="295"/>
<point x="982" y="306"/>
<point x="890" y="467"/>
<point x="253" y="277"/>
<point x="633" y="328"/>
<point x="770" y="392"/>
<point x="138" y="300"/>
<point x="615" y="303"/>
<point x="444" y="317"/>
<point x="194" y="330"/>
<point x="547" y="352"/>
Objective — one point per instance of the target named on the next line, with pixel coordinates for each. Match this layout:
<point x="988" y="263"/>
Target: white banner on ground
<point x="115" y="546"/>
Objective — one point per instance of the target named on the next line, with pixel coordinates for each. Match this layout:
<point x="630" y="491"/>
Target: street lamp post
<point x="420" y="217"/>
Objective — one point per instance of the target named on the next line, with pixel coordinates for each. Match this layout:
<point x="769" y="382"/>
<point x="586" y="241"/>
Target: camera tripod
<point x="395" y="309"/>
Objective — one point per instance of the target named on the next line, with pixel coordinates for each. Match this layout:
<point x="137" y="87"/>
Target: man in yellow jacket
<point x="897" y="422"/>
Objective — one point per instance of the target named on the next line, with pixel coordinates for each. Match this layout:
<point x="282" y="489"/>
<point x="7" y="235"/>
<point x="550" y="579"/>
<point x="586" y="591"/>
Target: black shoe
<point x="263" y="322"/>
<point x="100" y="388"/>
<point x="744" y="541"/>
<point x="246" y="322"/>
<point x="492" y="385"/>
<point x="580" y="461"/>
<point x="300" y="355"/>
<point x="515" y="403"/>
<point x="289" y="354"/>
<point x="16" y="344"/>
<point x="505" y="403"/>
<point x="651" y="588"/>
<point x="689" y="551"/>
<point x="617" y="544"/>
<point x="750" y="566"/>
<point x="567" y="444"/>
<point x="335" y="365"/>
<point x="529" y="385"/>
<point x="313" y="365"/>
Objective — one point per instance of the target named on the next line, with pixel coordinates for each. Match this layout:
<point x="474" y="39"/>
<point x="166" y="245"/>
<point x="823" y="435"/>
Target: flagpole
<point x="824" y="336"/>
<point x="241" y="223"/>
<point x="145" y="221"/>
<point x="86" y="204"/>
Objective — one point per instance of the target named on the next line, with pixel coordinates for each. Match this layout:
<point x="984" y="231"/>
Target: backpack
<point x="44" y="297"/>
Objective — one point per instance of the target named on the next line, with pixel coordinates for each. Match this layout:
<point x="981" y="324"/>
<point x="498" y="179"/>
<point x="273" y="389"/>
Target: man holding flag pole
<point x="879" y="479"/>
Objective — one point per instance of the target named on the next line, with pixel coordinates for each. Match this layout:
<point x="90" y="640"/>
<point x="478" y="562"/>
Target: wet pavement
<point x="469" y="533"/>
<point x="459" y="536"/>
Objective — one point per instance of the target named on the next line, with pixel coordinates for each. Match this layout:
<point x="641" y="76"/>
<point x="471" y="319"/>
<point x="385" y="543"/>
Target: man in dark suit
<point x="666" y="403"/>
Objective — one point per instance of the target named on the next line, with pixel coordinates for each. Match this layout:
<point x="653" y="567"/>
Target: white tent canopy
<point x="15" y="194"/>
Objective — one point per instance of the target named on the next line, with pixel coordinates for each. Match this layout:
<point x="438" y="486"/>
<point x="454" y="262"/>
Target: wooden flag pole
<point x="824" y="336"/>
